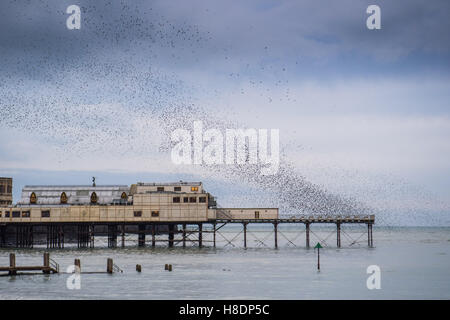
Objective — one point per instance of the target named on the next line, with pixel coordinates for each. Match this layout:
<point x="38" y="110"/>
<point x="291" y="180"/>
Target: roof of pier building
<point x="74" y="194"/>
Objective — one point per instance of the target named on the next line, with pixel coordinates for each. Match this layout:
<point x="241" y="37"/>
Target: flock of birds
<point x="106" y="88"/>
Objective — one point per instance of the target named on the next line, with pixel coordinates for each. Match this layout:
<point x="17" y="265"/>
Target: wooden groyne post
<point x="12" y="263"/>
<point x="109" y="265"/>
<point x="46" y="269"/>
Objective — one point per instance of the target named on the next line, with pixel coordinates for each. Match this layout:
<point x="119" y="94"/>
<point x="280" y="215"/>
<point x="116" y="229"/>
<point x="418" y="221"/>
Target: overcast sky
<point x="363" y="114"/>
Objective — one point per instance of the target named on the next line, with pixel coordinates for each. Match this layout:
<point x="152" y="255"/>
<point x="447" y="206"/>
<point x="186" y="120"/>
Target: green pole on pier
<point x="318" y="247"/>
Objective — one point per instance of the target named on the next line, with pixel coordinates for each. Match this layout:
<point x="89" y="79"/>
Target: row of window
<point x="139" y="214"/>
<point x="189" y="199"/>
<point x="161" y="189"/>
<point x="5" y="189"/>
<point x="17" y="214"/>
<point x="46" y="214"/>
<point x="63" y="198"/>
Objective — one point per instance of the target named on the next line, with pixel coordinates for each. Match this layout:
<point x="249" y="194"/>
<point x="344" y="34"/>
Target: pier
<point x="171" y="233"/>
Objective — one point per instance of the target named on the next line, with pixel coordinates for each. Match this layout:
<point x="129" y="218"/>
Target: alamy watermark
<point x="73" y="282"/>
<point x="234" y="146"/>
<point x="374" y="280"/>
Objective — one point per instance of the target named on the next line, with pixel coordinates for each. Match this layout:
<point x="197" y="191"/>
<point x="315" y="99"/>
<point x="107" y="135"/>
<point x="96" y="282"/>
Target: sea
<point x="410" y="263"/>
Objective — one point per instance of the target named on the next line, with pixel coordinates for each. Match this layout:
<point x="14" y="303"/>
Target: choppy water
<point x="414" y="262"/>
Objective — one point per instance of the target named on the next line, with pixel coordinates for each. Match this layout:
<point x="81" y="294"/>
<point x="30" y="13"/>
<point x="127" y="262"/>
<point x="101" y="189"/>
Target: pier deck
<point x="23" y="234"/>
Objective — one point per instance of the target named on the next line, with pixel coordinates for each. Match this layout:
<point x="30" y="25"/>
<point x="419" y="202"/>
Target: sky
<point x="363" y="114"/>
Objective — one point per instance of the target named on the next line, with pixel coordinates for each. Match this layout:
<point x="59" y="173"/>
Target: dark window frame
<point x="137" y="214"/>
<point x="202" y="199"/>
<point x="45" y="213"/>
<point x="192" y="199"/>
<point x="155" y="214"/>
<point x="176" y="199"/>
<point x="177" y="189"/>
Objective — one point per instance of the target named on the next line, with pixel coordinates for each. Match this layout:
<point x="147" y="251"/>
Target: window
<point x="2" y="188"/>
<point x="194" y="188"/>
<point x="25" y="214"/>
<point x="192" y="199"/>
<point x="94" y="197"/>
<point x="0" y="214"/>
<point x="124" y="196"/>
<point x="176" y="199"/>
<point x="138" y="213"/>
<point x="45" y="214"/>
<point x="185" y="199"/>
<point x="6" y="214"/>
<point x="202" y="199"/>
<point x="33" y="198"/>
<point x="16" y="214"/>
<point x="63" y="198"/>
<point x="177" y="189"/>
<point x="160" y="189"/>
<point x="9" y="189"/>
<point x="155" y="213"/>
<point x="256" y="214"/>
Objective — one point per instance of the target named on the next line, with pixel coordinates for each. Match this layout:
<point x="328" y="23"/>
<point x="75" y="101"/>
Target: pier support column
<point x="275" y="230"/>
<point x="2" y="236"/>
<point x="91" y="235"/>
<point x="184" y="235"/>
<point x="123" y="236"/>
<point x="153" y="235"/>
<point x="171" y="228"/>
<point x="369" y="235"/>
<point x="60" y="236"/>
<point x="141" y="235"/>
<point x="307" y="235"/>
<point x="245" y="234"/>
<point x="214" y="235"/>
<point x="338" y="230"/>
<point x="24" y="236"/>
<point x="84" y="236"/>
<point x="112" y="236"/>
<point x="200" y="235"/>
